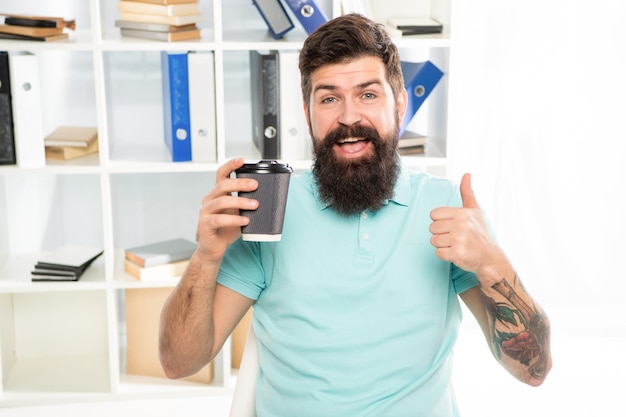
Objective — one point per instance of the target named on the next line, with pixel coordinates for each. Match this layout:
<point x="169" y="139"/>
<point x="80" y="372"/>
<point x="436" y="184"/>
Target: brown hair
<point x="344" y="39"/>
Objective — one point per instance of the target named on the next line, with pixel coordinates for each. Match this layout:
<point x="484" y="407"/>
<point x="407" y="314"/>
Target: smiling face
<point x="350" y="95"/>
<point x="353" y="118"/>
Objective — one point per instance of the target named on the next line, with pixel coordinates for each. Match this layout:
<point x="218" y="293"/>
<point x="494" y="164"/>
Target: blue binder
<point x="420" y="78"/>
<point x="176" y="119"/>
<point x="308" y="13"/>
<point x="275" y="16"/>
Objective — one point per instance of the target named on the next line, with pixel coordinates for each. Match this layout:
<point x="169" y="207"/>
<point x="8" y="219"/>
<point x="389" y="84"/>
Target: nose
<point x="350" y="113"/>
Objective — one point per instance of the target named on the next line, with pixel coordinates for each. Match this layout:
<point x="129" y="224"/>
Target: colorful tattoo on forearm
<point x="527" y="344"/>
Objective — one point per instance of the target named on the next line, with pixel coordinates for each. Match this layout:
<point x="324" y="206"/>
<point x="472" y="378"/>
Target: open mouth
<point x="352" y="145"/>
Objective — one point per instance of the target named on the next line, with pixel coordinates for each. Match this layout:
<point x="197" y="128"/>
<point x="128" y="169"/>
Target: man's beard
<point x="355" y="185"/>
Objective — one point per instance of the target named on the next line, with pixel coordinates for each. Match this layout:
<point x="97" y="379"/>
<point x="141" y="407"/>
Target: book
<point x="409" y="139"/>
<point x="30" y="30"/>
<point x="38" y="21"/>
<point x="202" y="106"/>
<point x="419" y="25"/>
<point x="154" y="27"/>
<point x="157" y="272"/>
<point x="27" y="109"/>
<point x="162" y="252"/>
<point x="412" y="150"/>
<point x="166" y="20"/>
<point x="275" y="17"/>
<point x="7" y="136"/>
<point x="166" y="1"/>
<point x="176" y="113"/>
<point x="308" y="13"/>
<point x="70" y="152"/>
<point x="75" y="136"/>
<point x="265" y="86"/>
<point x="67" y="263"/>
<point x="181" y="35"/>
<point x="34" y="38"/>
<point x="180" y="9"/>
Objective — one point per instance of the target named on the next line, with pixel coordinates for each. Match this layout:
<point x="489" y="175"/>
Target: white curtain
<point x="540" y="101"/>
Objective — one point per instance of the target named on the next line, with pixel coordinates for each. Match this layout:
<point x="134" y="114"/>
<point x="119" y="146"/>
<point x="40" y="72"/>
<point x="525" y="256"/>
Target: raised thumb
<point x="467" y="194"/>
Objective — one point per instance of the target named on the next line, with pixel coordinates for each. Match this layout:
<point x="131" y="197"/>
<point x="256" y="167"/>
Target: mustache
<point x="356" y="131"/>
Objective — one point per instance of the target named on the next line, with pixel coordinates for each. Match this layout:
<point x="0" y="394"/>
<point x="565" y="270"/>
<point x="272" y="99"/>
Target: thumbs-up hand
<point x="467" y="194"/>
<point x="460" y="234"/>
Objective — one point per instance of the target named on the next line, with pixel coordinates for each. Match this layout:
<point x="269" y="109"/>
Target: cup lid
<point x="265" y="167"/>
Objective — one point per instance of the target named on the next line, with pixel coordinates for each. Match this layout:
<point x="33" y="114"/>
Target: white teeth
<point x="350" y="140"/>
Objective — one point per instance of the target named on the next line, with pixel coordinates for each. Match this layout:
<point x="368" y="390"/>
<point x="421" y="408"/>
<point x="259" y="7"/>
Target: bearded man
<point x="356" y="308"/>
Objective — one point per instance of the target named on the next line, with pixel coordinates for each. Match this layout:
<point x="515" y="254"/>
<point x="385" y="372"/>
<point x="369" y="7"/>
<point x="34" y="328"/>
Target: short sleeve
<point x="241" y="269"/>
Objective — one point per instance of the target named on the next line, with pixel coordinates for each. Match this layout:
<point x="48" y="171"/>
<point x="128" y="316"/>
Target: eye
<point x="369" y="96"/>
<point x="329" y="100"/>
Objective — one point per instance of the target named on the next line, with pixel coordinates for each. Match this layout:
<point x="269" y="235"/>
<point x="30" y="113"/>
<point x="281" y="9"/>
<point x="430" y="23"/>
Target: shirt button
<point x="366" y="236"/>
<point x="364" y="216"/>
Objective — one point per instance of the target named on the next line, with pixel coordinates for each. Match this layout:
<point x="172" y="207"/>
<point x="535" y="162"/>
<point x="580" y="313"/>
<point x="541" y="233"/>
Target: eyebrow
<point x="331" y="87"/>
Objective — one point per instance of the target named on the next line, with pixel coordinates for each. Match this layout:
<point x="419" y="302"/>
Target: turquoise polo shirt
<point x="355" y="316"/>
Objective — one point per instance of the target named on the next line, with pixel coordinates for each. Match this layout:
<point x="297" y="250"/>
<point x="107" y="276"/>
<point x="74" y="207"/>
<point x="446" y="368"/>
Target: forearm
<point x="187" y="333"/>
<point x="519" y="330"/>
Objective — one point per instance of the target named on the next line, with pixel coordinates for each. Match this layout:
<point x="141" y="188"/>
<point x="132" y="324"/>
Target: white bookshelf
<point x="64" y="342"/>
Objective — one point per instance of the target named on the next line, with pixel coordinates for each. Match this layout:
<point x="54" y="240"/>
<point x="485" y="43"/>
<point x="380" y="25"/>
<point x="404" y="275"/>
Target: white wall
<point x="539" y="94"/>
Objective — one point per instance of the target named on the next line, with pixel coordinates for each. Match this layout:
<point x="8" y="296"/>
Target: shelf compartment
<point x="56" y="210"/>
<point x="49" y="344"/>
<point x="153" y="207"/>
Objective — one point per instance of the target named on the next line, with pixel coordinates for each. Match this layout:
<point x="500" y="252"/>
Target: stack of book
<point x="161" y="260"/>
<point x="35" y="28"/>
<point x="69" y="142"/>
<point x="407" y="25"/>
<point x="162" y="20"/>
<point x="67" y="263"/>
<point x="411" y="143"/>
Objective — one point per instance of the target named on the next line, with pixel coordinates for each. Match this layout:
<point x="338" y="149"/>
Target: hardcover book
<point x="161" y="272"/>
<point x="68" y="263"/>
<point x="166" y="20"/>
<point x="76" y="136"/>
<point x="162" y="252"/>
<point x="181" y="35"/>
<point x="158" y="9"/>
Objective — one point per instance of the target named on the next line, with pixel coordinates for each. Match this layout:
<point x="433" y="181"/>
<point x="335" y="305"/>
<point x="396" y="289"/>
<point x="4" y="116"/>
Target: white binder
<point x="202" y="106"/>
<point x="27" y="118"/>
<point x="294" y="131"/>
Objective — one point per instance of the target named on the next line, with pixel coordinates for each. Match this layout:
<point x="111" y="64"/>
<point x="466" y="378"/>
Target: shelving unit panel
<point x="48" y="211"/>
<point x="437" y="9"/>
<point x="68" y="89"/>
<point x="238" y="108"/>
<point x="241" y="21"/>
<point x="135" y="106"/>
<point x="55" y="346"/>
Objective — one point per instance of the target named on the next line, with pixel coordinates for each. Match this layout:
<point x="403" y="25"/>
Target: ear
<point x="401" y="104"/>
<point x="306" y="114"/>
<point x="307" y="118"/>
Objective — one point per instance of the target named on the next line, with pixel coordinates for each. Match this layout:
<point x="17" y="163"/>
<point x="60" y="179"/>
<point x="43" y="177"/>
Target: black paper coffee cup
<point x="266" y="222"/>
